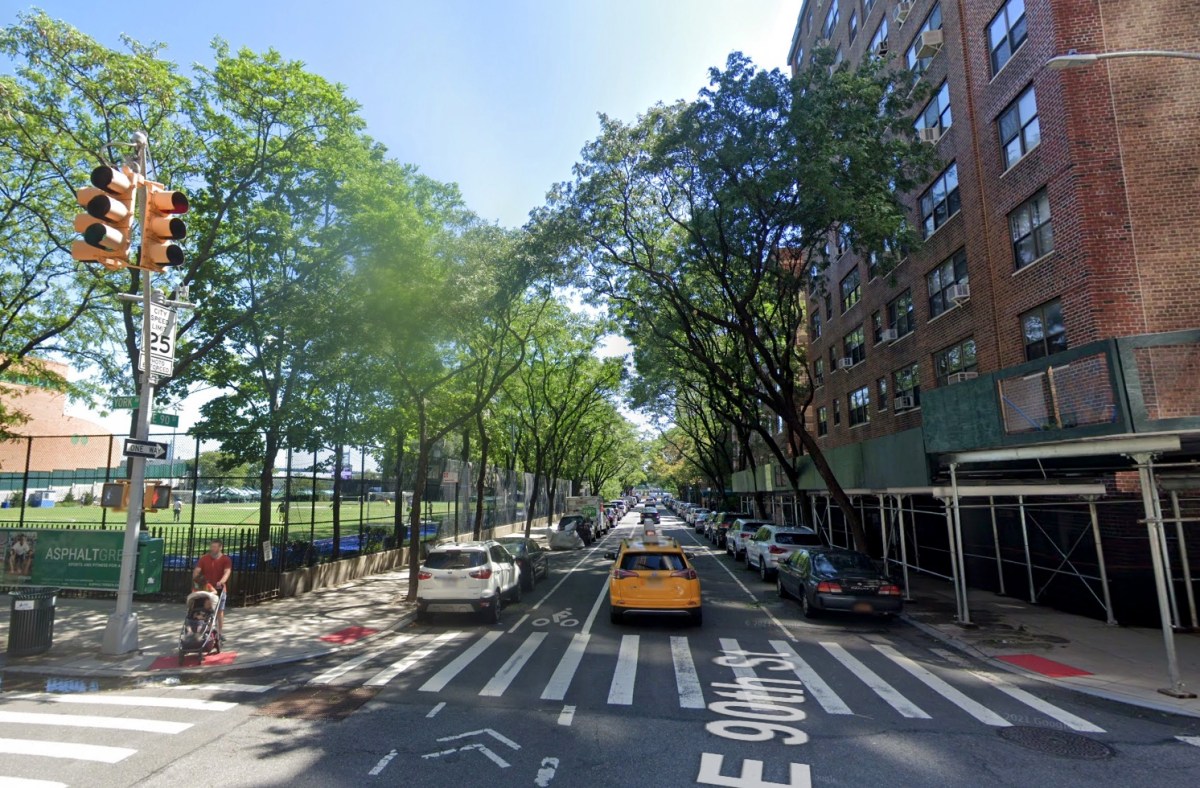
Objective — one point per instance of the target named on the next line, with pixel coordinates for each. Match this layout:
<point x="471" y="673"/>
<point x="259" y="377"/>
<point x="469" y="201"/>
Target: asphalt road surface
<point x="559" y="696"/>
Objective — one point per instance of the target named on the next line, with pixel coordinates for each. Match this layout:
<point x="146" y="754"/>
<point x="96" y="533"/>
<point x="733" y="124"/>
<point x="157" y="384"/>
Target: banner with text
<point x="64" y="559"/>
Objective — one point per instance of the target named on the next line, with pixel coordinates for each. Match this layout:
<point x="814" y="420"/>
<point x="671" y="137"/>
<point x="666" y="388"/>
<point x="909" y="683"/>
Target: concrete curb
<point x="967" y="648"/>
<point x="48" y="670"/>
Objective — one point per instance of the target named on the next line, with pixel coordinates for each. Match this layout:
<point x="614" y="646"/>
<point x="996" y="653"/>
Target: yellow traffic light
<point x="157" y="496"/>
<point x="106" y="226"/>
<point x="115" y="495"/>
<point x="161" y="227"/>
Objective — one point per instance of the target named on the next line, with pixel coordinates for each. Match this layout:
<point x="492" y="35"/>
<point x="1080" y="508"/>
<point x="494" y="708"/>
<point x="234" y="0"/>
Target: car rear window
<point x="844" y="562"/>
<point x="751" y="526"/>
<point x="514" y="547"/>
<point x="569" y="522"/>
<point x="797" y="538"/>
<point x="455" y="559"/>
<point x="648" y="562"/>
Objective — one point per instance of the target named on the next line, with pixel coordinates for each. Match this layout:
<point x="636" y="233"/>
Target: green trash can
<point x="31" y="622"/>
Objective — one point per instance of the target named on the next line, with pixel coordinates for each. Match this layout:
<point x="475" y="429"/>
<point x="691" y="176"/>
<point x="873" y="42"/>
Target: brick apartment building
<point x="1055" y="302"/>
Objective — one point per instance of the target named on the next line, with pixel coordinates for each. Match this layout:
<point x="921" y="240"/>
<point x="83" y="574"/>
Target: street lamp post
<point x="1076" y="59"/>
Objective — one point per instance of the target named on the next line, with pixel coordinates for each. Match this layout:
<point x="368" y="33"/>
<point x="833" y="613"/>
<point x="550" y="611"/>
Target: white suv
<point x="467" y="577"/>
<point x="771" y="544"/>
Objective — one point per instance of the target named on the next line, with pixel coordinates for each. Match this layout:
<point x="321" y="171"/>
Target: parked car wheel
<point x="491" y="615"/>
<point x="529" y="580"/>
<point x="807" y="608"/>
<point x="514" y="596"/>
<point x="762" y="570"/>
<point x="779" y="589"/>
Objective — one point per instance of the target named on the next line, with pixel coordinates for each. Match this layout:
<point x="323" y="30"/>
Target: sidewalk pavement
<point x="1124" y="664"/>
<point x="271" y="633"/>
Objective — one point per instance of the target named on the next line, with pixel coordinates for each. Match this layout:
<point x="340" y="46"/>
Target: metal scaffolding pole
<point x="1100" y="560"/>
<point x="1025" y="543"/>
<point x="954" y="575"/>
<point x="903" y="547"/>
<point x="965" y="618"/>
<point x="996" y="543"/>
<point x="1183" y="559"/>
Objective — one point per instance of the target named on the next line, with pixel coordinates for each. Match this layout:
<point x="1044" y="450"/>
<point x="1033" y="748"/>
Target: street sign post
<point x="162" y="342"/>
<point x="164" y="419"/>
<point x="146" y="449"/>
<point x="125" y="402"/>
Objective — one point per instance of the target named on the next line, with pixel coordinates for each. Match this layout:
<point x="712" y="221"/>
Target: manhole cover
<point x="1055" y="742"/>
<point x="317" y="703"/>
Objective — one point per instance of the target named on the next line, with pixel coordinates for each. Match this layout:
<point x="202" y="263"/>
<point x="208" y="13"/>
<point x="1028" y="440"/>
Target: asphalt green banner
<point x="64" y="559"/>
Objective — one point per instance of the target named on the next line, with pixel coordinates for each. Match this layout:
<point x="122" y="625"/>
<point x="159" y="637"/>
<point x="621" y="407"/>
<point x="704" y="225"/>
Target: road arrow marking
<point x="498" y="737"/>
<point x="492" y="756"/>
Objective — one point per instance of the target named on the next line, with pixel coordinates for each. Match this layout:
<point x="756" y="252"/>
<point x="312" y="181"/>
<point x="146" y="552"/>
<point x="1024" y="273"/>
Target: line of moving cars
<point x="820" y="577"/>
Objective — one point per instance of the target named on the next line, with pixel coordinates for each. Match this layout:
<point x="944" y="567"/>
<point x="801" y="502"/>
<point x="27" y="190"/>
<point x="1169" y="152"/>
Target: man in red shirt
<point x="215" y="567"/>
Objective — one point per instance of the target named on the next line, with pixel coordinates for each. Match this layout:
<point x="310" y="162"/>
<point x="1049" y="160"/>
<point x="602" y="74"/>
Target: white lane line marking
<point x="56" y="749"/>
<point x="566" y="716"/>
<point x="509" y="670"/>
<point x="620" y="692"/>
<point x="787" y="633"/>
<point x="337" y="671"/>
<point x="396" y="668"/>
<point x="21" y="782"/>
<point x="520" y="621"/>
<point x="691" y="694"/>
<point x="560" y="680"/>
<point x="1045" y="707"/>
<point x="814" y="684"/>
<point x="383" y="762"/>
<point x="1192" y="740"/>
<point x="247" y="688"/>
<point x="950" y="657"/>
<point x="563" y="579"/>
<point x="881" y="688"/>
<point x="93" y="721"/>
<point x="941" y="687"/>
<point x="100" y="699"/>
<point x="444" y="676"/>
<point x="591" y="619"/>
<point x="434" y="711"/>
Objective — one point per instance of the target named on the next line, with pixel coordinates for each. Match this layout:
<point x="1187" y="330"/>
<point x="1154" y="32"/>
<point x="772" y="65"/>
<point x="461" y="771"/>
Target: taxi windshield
<point x="650" y="562"/>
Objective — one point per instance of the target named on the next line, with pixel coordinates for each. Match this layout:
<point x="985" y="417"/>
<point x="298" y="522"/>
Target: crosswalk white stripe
<point x="147" y="701"/>
<point x="560" y="680"/>
<point x="92" y="721"/>
<point x="256" y="689"/>
<point x="939" y="685"/>
<point x="691" y="694"/>
<point x="56" y="749"/>
<point x="22" y="782"/>
<point x="1192" y="740"/>
<point x="396" y="668"/>
<point x="881" y="688"/>
<point x="1029" y="699"/>
<point x="813" y="684"/>
<point x="337" y="671"/>
<point x="439" y="680"/>
<point x="566" y="716"/>
<point x="620" y="692"/>
<point x="509" y="670"/>
<point x="730" y="647"/>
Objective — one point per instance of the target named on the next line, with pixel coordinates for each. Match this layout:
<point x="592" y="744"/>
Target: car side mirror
<point x="610" y="555"/>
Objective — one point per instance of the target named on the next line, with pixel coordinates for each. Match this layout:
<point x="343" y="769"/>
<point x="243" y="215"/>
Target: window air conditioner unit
<point x="959" y="293"/>
<point x="902" y="12"/>
<point x="845" y="363"/>
<point x="888" y="335"/>
<point x="959" y="377"/>
<point x="882" y="49"/>
<point x="930" y="43"/>
<point x="931" y="134"/>
<point x="904" y="403"/>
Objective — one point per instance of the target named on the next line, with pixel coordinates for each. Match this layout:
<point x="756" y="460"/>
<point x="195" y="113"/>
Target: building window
<point x="1032" y="233"/>
<point x="940" y="201"/>
<point x="881" y="390"/>
<point x="851" y="289"/>
<point x="1044" y="330"/>
<point x="837" y="60"/>
<point x="872" y="266"/>
<point x="941" y="279"/>
<point x="819" y="372"/>
<point x="860" y="406"/>
<point x="956" y="358"/>
<point x="833" y="357"/>
<point x="1020" y="131"/>
<point x="853" y="25"/>
<point x="822" y="421"/>
<point x="915" y="64"/>
<point x="867" y="6"/>
<point x="908" y="383"/>
<point x="879" y="41"/>
<point x="814" y="324"/>
<point x="831" y="20"/>
<point x="1006" y="32"/>
<point x="854" y="346"/>
<point x="828" y="305"/>
<point x="900" y="314"/>
<point x="837" y="412"/>
<point x="877" y="326"/>
<point x="843" y="239"/>
<point x="937" y="112"/>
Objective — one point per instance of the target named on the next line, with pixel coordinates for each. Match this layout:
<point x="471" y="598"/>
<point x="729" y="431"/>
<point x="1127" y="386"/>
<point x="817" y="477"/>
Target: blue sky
<point x="498" y="97"/>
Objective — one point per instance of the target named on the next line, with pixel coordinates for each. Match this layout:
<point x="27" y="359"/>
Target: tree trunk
<point x="398" y="514"/>
<point x="835" y="489"/>
<point x="266" y="485"/>
<point x="337" y="502"/>
<point x="414" y="520"/>
<point x="529" y="504"/>
<point x="480" y="474"/>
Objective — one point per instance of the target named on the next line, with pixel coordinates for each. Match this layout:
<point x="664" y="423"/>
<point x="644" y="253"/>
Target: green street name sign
<point x="125" y="403"/>
<point x="164" y="419"/>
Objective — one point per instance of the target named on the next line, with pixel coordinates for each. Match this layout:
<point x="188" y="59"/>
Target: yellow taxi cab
<point x="653" y="574"/>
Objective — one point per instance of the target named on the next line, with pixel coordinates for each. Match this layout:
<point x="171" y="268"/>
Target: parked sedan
<point x="774" y="543"/>
<point x="649" y="515"/>
<point x="531" y="558"/>
<point x="832" y="578"/>
<point x="738" y="536"/>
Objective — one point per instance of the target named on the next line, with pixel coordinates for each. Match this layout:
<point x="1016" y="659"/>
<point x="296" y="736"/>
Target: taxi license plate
<point x="654" y="579"/>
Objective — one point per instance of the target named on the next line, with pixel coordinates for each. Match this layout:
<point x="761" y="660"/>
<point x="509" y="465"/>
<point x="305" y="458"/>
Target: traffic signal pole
<point x="121" y="633"/>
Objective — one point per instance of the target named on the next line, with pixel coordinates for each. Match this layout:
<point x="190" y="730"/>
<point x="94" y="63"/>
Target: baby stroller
<point x="199" y="635"/>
